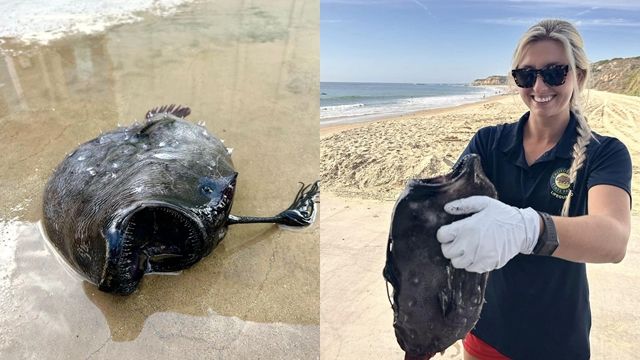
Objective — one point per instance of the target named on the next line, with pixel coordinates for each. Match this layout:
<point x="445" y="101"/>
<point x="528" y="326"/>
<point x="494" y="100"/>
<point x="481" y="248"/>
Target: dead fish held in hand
<point x="434" y="304"/>
<point x="153" y="197"/>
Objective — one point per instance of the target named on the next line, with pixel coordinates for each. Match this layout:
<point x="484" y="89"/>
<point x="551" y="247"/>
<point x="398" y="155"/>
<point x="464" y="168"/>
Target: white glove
<point x="488" y="239"/>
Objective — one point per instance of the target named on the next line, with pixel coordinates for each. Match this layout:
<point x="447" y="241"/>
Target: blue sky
<point x="457" y="41"/>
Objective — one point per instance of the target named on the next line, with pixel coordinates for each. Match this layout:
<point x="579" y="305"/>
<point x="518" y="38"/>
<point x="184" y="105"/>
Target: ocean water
<point x="44" y="20"/>
<point x="343" y="102"/>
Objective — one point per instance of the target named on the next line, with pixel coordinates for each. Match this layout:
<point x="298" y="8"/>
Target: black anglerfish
<point x="434" y="304"/>
<point x="152" y="197"/>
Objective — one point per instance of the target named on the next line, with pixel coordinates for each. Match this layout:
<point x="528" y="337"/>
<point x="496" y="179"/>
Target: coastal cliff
<point x="619" y="75"/>
<point x="491" y="80"/>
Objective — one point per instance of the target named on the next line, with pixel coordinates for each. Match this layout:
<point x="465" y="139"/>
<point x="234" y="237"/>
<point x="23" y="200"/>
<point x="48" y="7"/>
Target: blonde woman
<point x="564" y="200"/>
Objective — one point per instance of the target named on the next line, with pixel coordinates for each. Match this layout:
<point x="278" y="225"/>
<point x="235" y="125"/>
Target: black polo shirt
<point x="537" y="307"/>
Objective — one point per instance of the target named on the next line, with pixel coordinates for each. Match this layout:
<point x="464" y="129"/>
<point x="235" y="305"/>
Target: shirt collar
<point x="511" y="140"/>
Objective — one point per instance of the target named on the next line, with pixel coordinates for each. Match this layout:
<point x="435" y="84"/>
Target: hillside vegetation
<point x="618" y="75"/>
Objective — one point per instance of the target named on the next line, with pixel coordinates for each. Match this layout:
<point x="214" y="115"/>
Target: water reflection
<point x="250" y="72"/>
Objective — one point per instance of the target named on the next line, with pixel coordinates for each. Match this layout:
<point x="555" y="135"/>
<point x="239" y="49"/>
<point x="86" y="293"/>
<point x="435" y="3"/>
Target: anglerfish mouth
<point x="470" y="162"/>
<point x="156" y="237"/>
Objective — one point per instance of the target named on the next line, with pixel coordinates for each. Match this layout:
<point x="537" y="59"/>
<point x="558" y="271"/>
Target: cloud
<point x="610" y="22"/>
<point x="423" y="6"/>
<point x="606" y="22"/>
<point x="589" y="4"/>
<point x="587" y="11"/>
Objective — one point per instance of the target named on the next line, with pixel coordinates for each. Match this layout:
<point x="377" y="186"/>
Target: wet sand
<point x="364" y="168"/>
<point x="250" y="73"/>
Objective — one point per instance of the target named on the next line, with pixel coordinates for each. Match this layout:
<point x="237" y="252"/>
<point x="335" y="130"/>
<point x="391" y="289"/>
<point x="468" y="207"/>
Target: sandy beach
<point x="363" y="169"/>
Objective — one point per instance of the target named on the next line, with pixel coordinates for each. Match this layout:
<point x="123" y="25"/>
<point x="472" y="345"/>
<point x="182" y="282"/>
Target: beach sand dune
<point x="363" y="169"/>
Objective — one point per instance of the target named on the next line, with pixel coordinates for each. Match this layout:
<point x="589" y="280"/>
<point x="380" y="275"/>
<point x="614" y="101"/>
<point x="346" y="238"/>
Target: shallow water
<point x="250" y="73"/>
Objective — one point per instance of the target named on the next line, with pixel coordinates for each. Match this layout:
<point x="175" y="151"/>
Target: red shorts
<point x="481" y="349"/>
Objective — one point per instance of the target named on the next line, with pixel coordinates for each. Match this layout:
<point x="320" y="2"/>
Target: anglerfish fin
<point x="176" y="110"/>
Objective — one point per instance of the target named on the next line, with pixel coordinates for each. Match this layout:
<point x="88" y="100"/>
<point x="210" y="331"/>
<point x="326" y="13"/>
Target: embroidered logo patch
<point x="560" y="183"/>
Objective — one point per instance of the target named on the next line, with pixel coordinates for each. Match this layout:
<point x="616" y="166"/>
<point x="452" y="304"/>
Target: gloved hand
<point x="488" y="239"/>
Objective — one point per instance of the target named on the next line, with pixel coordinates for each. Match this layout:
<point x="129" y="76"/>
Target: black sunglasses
<point x="553" y="75"/>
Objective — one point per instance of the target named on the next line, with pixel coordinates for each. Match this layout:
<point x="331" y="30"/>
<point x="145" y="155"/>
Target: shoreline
<point x="492" y="91"/>
<point x="329" y="129"/>
<point x="84" y="19"/>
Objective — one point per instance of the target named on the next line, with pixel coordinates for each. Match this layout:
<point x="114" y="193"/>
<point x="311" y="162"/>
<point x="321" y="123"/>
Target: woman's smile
<point x="542" y="99"/>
